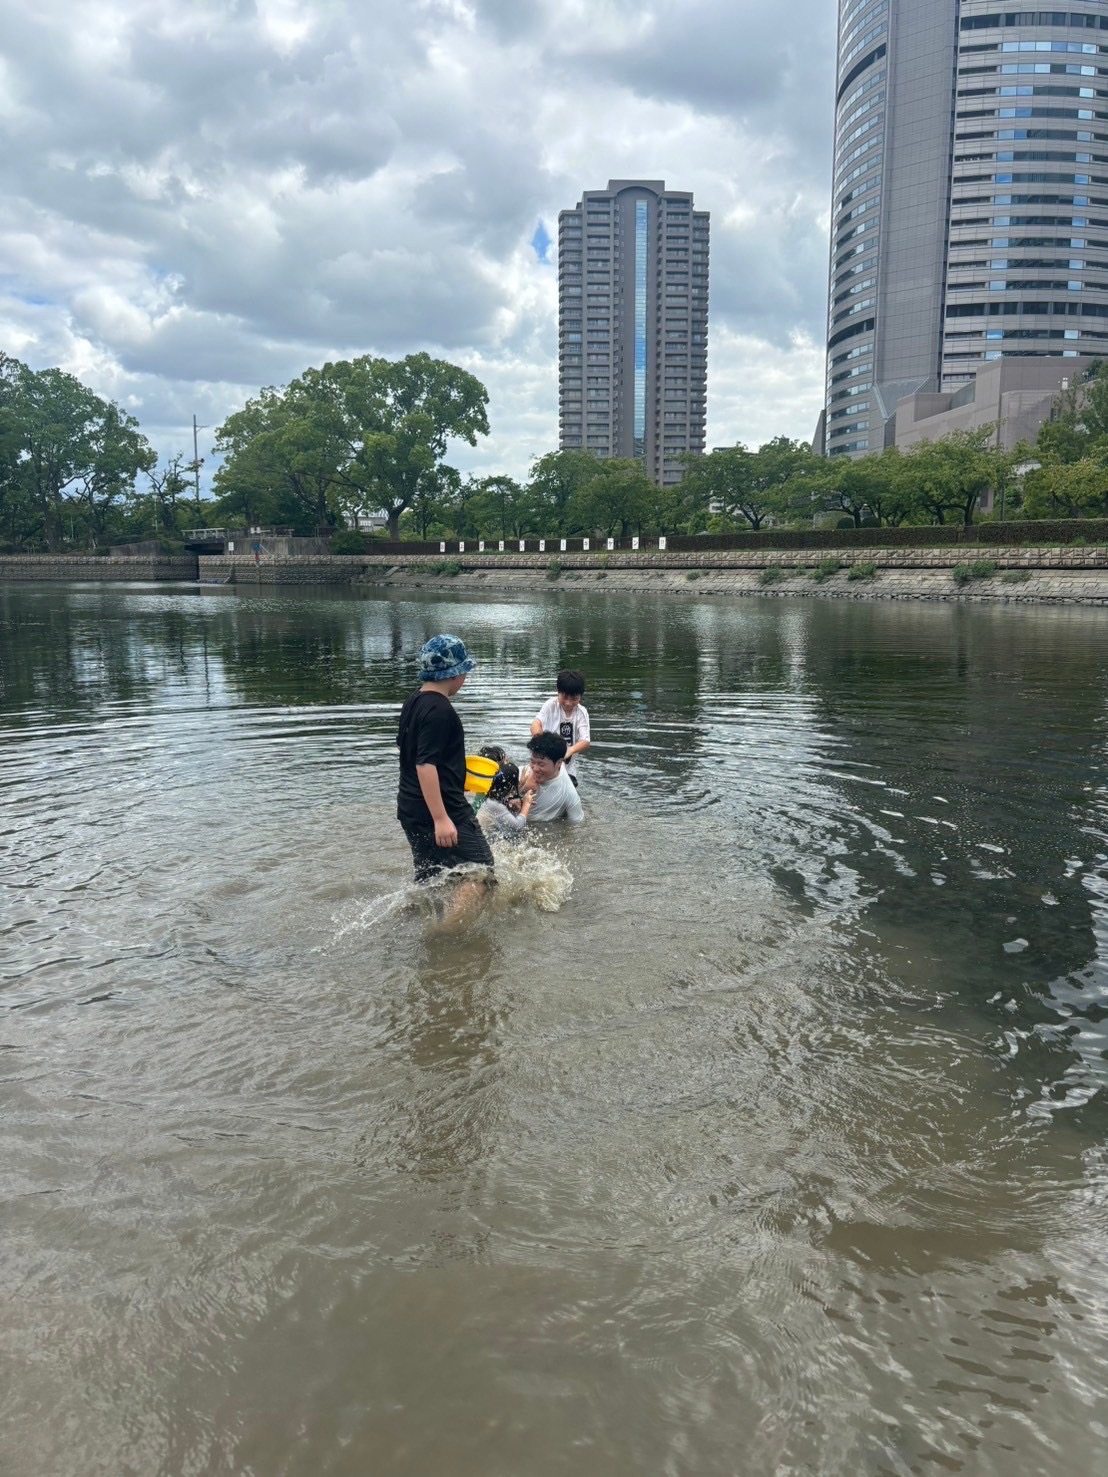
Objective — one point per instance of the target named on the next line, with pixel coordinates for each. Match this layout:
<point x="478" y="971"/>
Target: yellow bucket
<point x="480" y="773"/>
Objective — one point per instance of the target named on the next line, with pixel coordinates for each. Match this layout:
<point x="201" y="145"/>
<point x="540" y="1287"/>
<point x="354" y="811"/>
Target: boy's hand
<point x="446" y="832"/>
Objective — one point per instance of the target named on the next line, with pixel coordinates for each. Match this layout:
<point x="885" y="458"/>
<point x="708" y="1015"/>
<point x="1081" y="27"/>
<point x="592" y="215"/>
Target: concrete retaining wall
<point x="57" y="567"/>
<point x="1053" y="576"/>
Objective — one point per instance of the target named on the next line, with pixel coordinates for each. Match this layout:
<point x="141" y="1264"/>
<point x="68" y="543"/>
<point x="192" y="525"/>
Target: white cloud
<point x="198" y="200"/>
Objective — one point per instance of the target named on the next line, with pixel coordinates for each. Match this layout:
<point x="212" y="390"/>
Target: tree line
<point x="371" y="436"/>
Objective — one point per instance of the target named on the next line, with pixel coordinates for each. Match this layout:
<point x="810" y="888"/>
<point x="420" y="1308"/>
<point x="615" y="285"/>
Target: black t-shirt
<point x="431" y="733"/>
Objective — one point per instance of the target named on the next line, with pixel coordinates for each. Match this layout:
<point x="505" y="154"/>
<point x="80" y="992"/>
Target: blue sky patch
<point x="540" y="241"/>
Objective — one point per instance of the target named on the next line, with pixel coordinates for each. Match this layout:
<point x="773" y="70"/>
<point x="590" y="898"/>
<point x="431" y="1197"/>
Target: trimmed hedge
<point x="1049" y="533"/>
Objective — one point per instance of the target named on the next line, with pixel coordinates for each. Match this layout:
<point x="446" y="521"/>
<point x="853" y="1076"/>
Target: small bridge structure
<point x="216" y="540"/>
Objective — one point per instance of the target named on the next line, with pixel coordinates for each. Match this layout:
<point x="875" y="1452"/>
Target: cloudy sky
<point x="200" y="197"/>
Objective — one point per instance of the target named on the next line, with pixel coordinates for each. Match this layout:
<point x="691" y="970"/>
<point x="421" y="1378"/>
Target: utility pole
<point x="196" y="461"/>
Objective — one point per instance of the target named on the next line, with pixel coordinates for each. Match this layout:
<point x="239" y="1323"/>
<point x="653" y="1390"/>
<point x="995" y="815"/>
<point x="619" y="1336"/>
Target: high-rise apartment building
<point x="970" y="200"/>
<point x="633" y="325"/>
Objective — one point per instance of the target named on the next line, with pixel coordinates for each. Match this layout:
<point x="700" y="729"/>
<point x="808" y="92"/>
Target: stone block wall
<point x="1004" y="556"/>
<point x="297" y="569"/>
<point x="58" y="567"/>
<point x="1054" y="576"/>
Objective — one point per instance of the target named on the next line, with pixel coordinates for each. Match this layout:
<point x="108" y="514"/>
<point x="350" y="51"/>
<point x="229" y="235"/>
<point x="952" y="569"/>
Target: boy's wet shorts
<point x="472" y="849"/>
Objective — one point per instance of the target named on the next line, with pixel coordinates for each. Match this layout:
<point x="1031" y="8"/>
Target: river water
<point x="755" y="1127"/>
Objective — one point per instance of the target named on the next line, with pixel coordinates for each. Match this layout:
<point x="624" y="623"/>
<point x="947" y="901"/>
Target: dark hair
<point x="505" y="782"/>
<point x="494" y="751"/>
<point x="550" y="746"/>
<point x="571" y="683"/>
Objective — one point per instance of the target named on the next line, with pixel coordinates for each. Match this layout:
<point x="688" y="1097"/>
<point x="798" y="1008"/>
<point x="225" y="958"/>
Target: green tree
<point x="779" y="480"/>
<point x="287" y="445"/>
<point x="1068" y="490"/>
<point x="952" y="475"/>
<point x="722" y="484"/>
<point x="169" y="487"/>
<point x="18" y="516"/>
<point x="459" y="505"/>
<point x="787" y="474"/>
<point x="869" y="486"/>
<point x="63" y="448"/>
<point x="890" y="495"/>
<point x="400" y="417"/>
<point x="617" y="501"/>
<point x="431" y="510"/>
<point x="854" y="485"/>
<point x="1062" y="441"/>
<point x="117" y="453"/>
<point x="1078" y="424"/>
<point x="501" y="508"/>
<point x="555" y="480"/>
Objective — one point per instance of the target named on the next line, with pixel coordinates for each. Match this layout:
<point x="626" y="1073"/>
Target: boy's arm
<point x="585" y="740"/>
<point x="446" y="832"/>
<point x="538" y="722"/>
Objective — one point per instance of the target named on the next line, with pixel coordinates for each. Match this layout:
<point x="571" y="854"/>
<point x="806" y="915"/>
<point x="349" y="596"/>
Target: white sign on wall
<point x="563" y="546"/>
<point x="230" y="546"/>
<point x="480" y="546"/>
<point x="502" y="546"/>
<point x="611" y="543"/>
<point x="522" y="545"/>
<point x="635" y="543"/>
<point x="461" y="548"/>
<point x="442" y="548"/>
<point x="661" y="543"/>
<point x="585" y="545"/>
<point x="542" y="546"/>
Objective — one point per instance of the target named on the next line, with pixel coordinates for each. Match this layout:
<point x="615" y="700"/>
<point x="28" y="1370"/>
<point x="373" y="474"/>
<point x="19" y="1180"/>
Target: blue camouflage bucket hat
<point x="444" y="657"/>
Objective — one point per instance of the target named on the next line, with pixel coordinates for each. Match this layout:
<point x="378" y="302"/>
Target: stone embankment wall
<point x="1053" y="576"/>
<point x="296" y="569"/>
<point x="26" y="567"/>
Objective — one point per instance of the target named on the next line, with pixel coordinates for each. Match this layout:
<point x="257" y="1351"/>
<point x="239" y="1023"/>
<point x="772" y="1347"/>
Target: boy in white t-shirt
<point x="567" y="716"/>
<point x="555" y="799"/>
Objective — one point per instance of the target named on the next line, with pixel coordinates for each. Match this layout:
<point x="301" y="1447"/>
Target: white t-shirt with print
<point x="553" y="719"/>
<point x="556" y="800"/>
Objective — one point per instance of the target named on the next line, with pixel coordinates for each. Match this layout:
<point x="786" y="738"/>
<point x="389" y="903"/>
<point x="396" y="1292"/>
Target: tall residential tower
<point x="970" y="201"/>
<point x="633" y="325"/>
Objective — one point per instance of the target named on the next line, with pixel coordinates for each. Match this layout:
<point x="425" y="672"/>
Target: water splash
<point x="524" y="874"/>
<point x="529" y="874"/>
<point x="375" y="912"/>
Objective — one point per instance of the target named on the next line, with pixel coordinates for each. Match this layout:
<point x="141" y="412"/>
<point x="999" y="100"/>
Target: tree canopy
<point x="356" y="436"/>
<point x="372" y="435"/>
<point x="66" y="456"/>
<point x="779" y="481"/>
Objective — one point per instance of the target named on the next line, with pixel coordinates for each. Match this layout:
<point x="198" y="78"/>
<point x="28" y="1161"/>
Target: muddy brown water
<point x="756" y="1127"/>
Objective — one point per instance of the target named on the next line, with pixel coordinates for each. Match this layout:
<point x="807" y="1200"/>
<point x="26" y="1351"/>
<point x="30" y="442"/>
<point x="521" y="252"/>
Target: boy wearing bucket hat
<point x="431" y="805"/>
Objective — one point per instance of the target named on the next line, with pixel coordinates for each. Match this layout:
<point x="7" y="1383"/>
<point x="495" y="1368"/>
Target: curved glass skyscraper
<point x="970" y="199"/>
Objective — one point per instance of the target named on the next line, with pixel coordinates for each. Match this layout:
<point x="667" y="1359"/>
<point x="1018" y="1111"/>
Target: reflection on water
<point x="757" y="1125"/>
